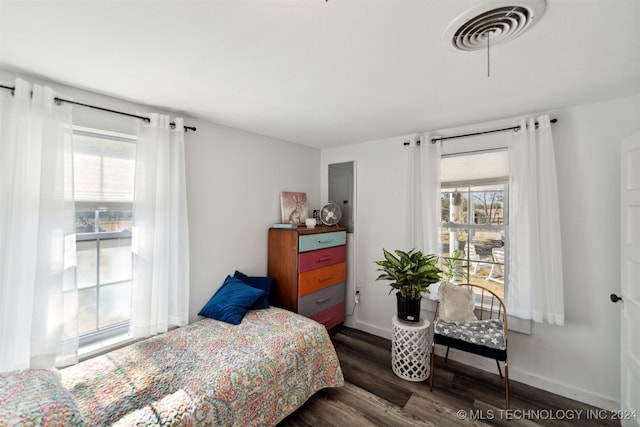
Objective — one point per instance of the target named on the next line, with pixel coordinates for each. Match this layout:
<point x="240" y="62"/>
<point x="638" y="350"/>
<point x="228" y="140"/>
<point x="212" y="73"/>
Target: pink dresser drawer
<point x="321" y="258"/>
<point x="330" y="317"/>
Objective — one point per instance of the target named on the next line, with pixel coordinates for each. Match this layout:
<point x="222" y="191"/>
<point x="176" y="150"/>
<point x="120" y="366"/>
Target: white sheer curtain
<point x="423" y="195"/>
<point x="535" y="278"/>
<point x="38" y="295"/>
<point x="160" y="292"/>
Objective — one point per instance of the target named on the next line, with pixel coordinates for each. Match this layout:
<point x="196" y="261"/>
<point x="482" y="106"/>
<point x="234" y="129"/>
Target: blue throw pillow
<point x="258" y="282"/>
<point x="231" y="302"/>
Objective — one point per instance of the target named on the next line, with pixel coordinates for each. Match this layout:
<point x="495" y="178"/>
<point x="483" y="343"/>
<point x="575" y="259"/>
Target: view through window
<point x="104" y="167"/>
<point x="474" y="233"/>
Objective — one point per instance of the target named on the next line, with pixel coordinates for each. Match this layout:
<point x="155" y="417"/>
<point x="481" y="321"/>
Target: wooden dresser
<point x="308" y="267"/>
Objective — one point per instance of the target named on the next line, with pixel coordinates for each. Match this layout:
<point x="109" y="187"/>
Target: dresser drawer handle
<point x="325" y="279"/>
<point x="324" y="259"/>
<point x="325" y="241"/>
<point x="323" y="300"/>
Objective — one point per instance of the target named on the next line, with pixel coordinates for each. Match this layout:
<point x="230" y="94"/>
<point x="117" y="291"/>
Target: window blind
<point x="477" y="166"/>
<point x="104" y="169"/>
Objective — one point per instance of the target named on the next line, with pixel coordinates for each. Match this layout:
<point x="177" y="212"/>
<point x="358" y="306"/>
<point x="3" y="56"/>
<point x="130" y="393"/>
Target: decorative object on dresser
<point x="316" y="215"/>
<point x="411" y="273"/>
<point x="293" y="207"/>
<point x="330" y="214"/>
<point x="308" y="267"/>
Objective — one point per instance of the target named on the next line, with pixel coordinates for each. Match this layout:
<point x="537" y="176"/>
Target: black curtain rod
<point x="59" y="101"/>
<point x="444" y="138"/>
<point x="515" y="128"/>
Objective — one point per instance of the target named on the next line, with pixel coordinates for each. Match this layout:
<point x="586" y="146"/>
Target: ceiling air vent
<point x="499" y="21"/>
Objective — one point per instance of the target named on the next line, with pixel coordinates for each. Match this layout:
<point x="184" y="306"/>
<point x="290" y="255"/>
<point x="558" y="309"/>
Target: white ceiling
<point x="324" y="73"/>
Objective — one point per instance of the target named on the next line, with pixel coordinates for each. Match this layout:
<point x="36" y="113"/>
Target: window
<point x="475" y="212"/>
<point x="104" y="167"/>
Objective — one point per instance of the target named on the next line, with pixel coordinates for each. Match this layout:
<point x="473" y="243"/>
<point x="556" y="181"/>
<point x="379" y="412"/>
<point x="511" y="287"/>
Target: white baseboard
<point x="543" y="383"/>
<point x="372" y="329"/>
<point x="576" y="393"/>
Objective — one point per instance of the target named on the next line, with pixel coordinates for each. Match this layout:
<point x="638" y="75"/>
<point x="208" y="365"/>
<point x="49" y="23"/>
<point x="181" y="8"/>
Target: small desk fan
<point x="330" y="214"/>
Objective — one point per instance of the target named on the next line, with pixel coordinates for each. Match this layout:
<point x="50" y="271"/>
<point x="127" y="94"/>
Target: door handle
<point x="615" y="298"/>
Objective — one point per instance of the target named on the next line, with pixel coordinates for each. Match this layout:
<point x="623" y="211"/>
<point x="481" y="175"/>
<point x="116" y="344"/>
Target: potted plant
<point x="411" y="273"/>
<point x="455" y="269"/>
<point x="462" y="240"/>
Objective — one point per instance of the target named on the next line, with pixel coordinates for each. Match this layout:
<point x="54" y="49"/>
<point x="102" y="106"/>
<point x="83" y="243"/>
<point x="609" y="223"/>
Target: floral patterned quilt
<point x="209" y="373"/>
<point x="35" y="397"/>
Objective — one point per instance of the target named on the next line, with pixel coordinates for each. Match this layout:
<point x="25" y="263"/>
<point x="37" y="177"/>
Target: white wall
<point x="233" y="183"/>
<point x="579" y="360"/>
<point x="234" y="179"/>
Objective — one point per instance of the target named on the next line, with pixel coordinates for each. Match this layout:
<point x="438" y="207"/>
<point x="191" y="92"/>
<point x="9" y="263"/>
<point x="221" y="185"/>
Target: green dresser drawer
<point x="311" y="242"/>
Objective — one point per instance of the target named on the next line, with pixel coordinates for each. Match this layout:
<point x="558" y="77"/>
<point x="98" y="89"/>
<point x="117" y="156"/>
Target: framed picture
<point x="293" y="207"/>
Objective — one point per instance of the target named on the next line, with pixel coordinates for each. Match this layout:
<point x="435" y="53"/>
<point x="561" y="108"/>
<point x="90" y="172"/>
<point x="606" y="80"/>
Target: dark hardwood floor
<point x="462" y="395"/>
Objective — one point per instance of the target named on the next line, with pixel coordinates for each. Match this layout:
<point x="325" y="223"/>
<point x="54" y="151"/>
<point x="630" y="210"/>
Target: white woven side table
<point x="410" y="352"/>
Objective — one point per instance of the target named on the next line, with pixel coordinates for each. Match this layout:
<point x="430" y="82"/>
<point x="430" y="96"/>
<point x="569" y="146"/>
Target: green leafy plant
<point x="454" y="267"/>
<point x="411" y="273"/>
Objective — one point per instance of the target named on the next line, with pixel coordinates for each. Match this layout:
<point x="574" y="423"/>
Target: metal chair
<point x="486" y="336"/>
<point x="475" y="260"/>
<point x="497" y="272"/>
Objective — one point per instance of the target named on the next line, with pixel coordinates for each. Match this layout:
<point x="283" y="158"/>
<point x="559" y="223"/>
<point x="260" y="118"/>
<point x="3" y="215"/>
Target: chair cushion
<point x="488" y="332"/>
<point x="456" y="303"/>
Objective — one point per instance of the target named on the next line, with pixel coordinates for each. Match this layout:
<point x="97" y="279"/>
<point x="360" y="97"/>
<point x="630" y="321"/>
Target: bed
<point x="206" y="373"/>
